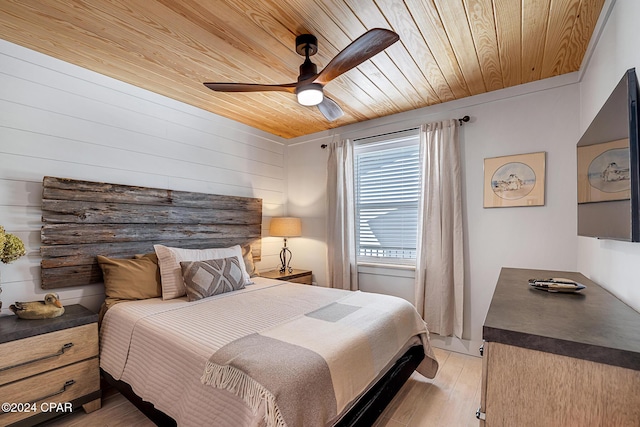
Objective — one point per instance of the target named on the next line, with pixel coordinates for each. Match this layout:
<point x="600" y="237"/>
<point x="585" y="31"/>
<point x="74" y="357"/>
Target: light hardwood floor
<point x="448" y="400"/>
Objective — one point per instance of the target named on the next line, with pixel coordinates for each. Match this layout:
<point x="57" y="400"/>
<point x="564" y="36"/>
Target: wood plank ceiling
<point x="448" y="49"/>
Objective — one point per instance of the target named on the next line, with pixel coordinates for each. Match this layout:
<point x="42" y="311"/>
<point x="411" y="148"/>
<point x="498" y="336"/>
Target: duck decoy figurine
<point x="47" y="309"/>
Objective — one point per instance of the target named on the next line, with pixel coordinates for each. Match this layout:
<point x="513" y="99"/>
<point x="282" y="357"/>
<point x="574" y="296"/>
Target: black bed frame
<point x="363" y="414"/>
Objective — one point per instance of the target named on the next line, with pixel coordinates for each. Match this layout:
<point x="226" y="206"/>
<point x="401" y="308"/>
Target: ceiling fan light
<point x="310" y="94"/>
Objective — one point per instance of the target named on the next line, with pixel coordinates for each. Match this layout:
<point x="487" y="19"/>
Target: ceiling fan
<point x="310" y="84"/>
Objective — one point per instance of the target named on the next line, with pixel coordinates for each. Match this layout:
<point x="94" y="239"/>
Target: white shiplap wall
<point x="61" y="120"/>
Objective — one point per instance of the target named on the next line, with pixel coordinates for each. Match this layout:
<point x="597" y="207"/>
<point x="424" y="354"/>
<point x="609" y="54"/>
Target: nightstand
<point x="296" y="276"/>
<point x="49" y="361"/>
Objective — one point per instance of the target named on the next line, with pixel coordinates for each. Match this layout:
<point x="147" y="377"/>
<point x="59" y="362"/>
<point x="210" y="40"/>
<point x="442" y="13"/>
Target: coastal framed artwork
<point x="603" y="172"/>
<point x="517" y="180"/>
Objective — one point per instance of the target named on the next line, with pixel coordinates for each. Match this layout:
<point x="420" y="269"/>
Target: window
<point x="387" y="181"/>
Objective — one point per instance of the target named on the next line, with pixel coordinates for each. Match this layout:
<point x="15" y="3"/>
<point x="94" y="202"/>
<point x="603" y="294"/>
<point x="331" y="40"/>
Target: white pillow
<point x="171" y="272"/>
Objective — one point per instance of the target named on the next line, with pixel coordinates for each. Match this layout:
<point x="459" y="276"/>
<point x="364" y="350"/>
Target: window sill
<point x="390" y="266"/>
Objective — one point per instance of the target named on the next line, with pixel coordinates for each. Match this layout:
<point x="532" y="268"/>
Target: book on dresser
<point x="48" y="367"/>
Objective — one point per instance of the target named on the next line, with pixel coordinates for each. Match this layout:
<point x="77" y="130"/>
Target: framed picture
<point x="603" y="172"/>
<point x="514" y="180"/>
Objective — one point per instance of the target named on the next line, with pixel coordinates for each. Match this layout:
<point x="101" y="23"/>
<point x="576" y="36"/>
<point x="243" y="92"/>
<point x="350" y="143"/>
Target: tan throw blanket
<point x="305" y="371"/>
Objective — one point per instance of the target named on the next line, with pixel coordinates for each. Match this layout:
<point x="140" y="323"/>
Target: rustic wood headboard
<point x="83" y="219"/>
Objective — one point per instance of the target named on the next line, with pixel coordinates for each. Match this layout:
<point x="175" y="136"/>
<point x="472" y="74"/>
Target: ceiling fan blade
<point x="364" y="47"/>
<point x="250" y="87"/>
<point x="330" y="109"/>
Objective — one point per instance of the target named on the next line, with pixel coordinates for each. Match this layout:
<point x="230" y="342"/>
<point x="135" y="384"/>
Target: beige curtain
<point x="341" y="236"/>
<point x="440" y="263"/>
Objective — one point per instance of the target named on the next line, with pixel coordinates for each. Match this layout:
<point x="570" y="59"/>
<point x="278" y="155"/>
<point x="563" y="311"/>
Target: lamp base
<point x="285" y="270"/>
<point x="284" y="262"/>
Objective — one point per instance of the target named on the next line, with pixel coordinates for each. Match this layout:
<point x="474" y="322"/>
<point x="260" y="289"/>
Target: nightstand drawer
<point x="295" y="276"/>
<point x="41" y="353"/>
<point x="302" y="279"/>
<point x="61" y="385"/>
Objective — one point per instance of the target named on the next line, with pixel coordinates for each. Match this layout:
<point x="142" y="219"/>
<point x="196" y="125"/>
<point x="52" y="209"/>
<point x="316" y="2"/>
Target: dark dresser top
<point x="13" y="328"/>
<point x="591" y="324"/>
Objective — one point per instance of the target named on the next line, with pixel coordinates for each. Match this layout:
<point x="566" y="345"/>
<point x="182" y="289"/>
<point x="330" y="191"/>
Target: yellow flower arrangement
<point x="11" y="247"/>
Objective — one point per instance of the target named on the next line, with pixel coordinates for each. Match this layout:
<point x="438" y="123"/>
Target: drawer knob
<point x="60" y="352"/>
<point x="55" y="393"/>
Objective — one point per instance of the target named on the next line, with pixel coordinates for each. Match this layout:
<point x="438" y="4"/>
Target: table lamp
<point x="285" y="227"/>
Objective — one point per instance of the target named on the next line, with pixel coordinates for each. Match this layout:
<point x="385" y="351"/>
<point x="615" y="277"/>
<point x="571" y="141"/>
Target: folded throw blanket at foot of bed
<point x="306" y="370"/>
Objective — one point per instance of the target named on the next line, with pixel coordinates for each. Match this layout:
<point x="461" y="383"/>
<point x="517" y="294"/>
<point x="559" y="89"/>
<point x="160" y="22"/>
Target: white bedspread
<point x="161" y="347"/>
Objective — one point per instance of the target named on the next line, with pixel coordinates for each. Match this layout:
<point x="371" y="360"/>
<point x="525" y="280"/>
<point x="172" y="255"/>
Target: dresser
<point x="296" y="276"/>
<point x="554" y="359"/>
<point x="48" y="367"/>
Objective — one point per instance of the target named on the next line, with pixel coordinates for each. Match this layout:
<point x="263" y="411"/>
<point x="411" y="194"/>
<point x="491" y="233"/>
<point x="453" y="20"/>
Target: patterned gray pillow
<point x="212" y="277"/>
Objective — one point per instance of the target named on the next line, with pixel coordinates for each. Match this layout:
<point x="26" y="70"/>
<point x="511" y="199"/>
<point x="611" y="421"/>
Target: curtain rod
<point x="464" y="119"/>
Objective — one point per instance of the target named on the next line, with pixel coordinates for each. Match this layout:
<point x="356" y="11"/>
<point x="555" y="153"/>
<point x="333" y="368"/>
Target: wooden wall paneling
<point x="483" y="28"/>
<point x="83" y="219"/>
<point x="396" y="63"/>
<point x="380" y="77"/>
<point x="440" y="65"/>
<point x="461" y="39"/>
<point x="189" y="60"/>
<point x="65" y="234"/>
<point x="100" y="56"/>
<point x="172" y="47"/>
<point x="561" y="22"/>
<point x="55" y="256"/>
<point x="535" y="17"/>
<point x="508" y="18"/>
<point x="581" y="33"/>
<point x="77" y="211"/>
<point x="77" y="190"/>
<point x="222" y="28"/>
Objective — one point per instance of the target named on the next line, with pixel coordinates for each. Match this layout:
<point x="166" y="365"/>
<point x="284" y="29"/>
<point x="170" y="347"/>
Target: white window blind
<point x="387" y="180"/>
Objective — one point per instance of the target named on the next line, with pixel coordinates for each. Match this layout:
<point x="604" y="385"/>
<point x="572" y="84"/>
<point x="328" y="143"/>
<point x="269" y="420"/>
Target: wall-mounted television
<point x="609" y="167"/>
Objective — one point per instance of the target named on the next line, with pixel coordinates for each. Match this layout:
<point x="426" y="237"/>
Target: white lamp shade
<point x="310" y="94"/>
<point x="285" y="227"/>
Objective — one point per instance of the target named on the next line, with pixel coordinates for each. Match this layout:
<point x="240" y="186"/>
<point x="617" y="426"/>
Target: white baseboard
<point x="456" y="345"/>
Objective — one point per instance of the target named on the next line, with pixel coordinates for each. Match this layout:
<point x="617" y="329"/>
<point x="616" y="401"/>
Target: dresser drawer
<point x="60" y="386"/>
<point x="30" y="356"/>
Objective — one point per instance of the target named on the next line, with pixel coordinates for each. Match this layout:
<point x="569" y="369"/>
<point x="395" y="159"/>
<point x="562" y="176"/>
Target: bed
<point x="261" y="353"/>
<point x="161" y="348"/>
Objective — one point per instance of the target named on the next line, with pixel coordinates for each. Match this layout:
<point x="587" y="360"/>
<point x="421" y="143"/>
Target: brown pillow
<point x="151" y="255"/>
<point x="247" y="257"/>
<point x="131" y="279"/>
